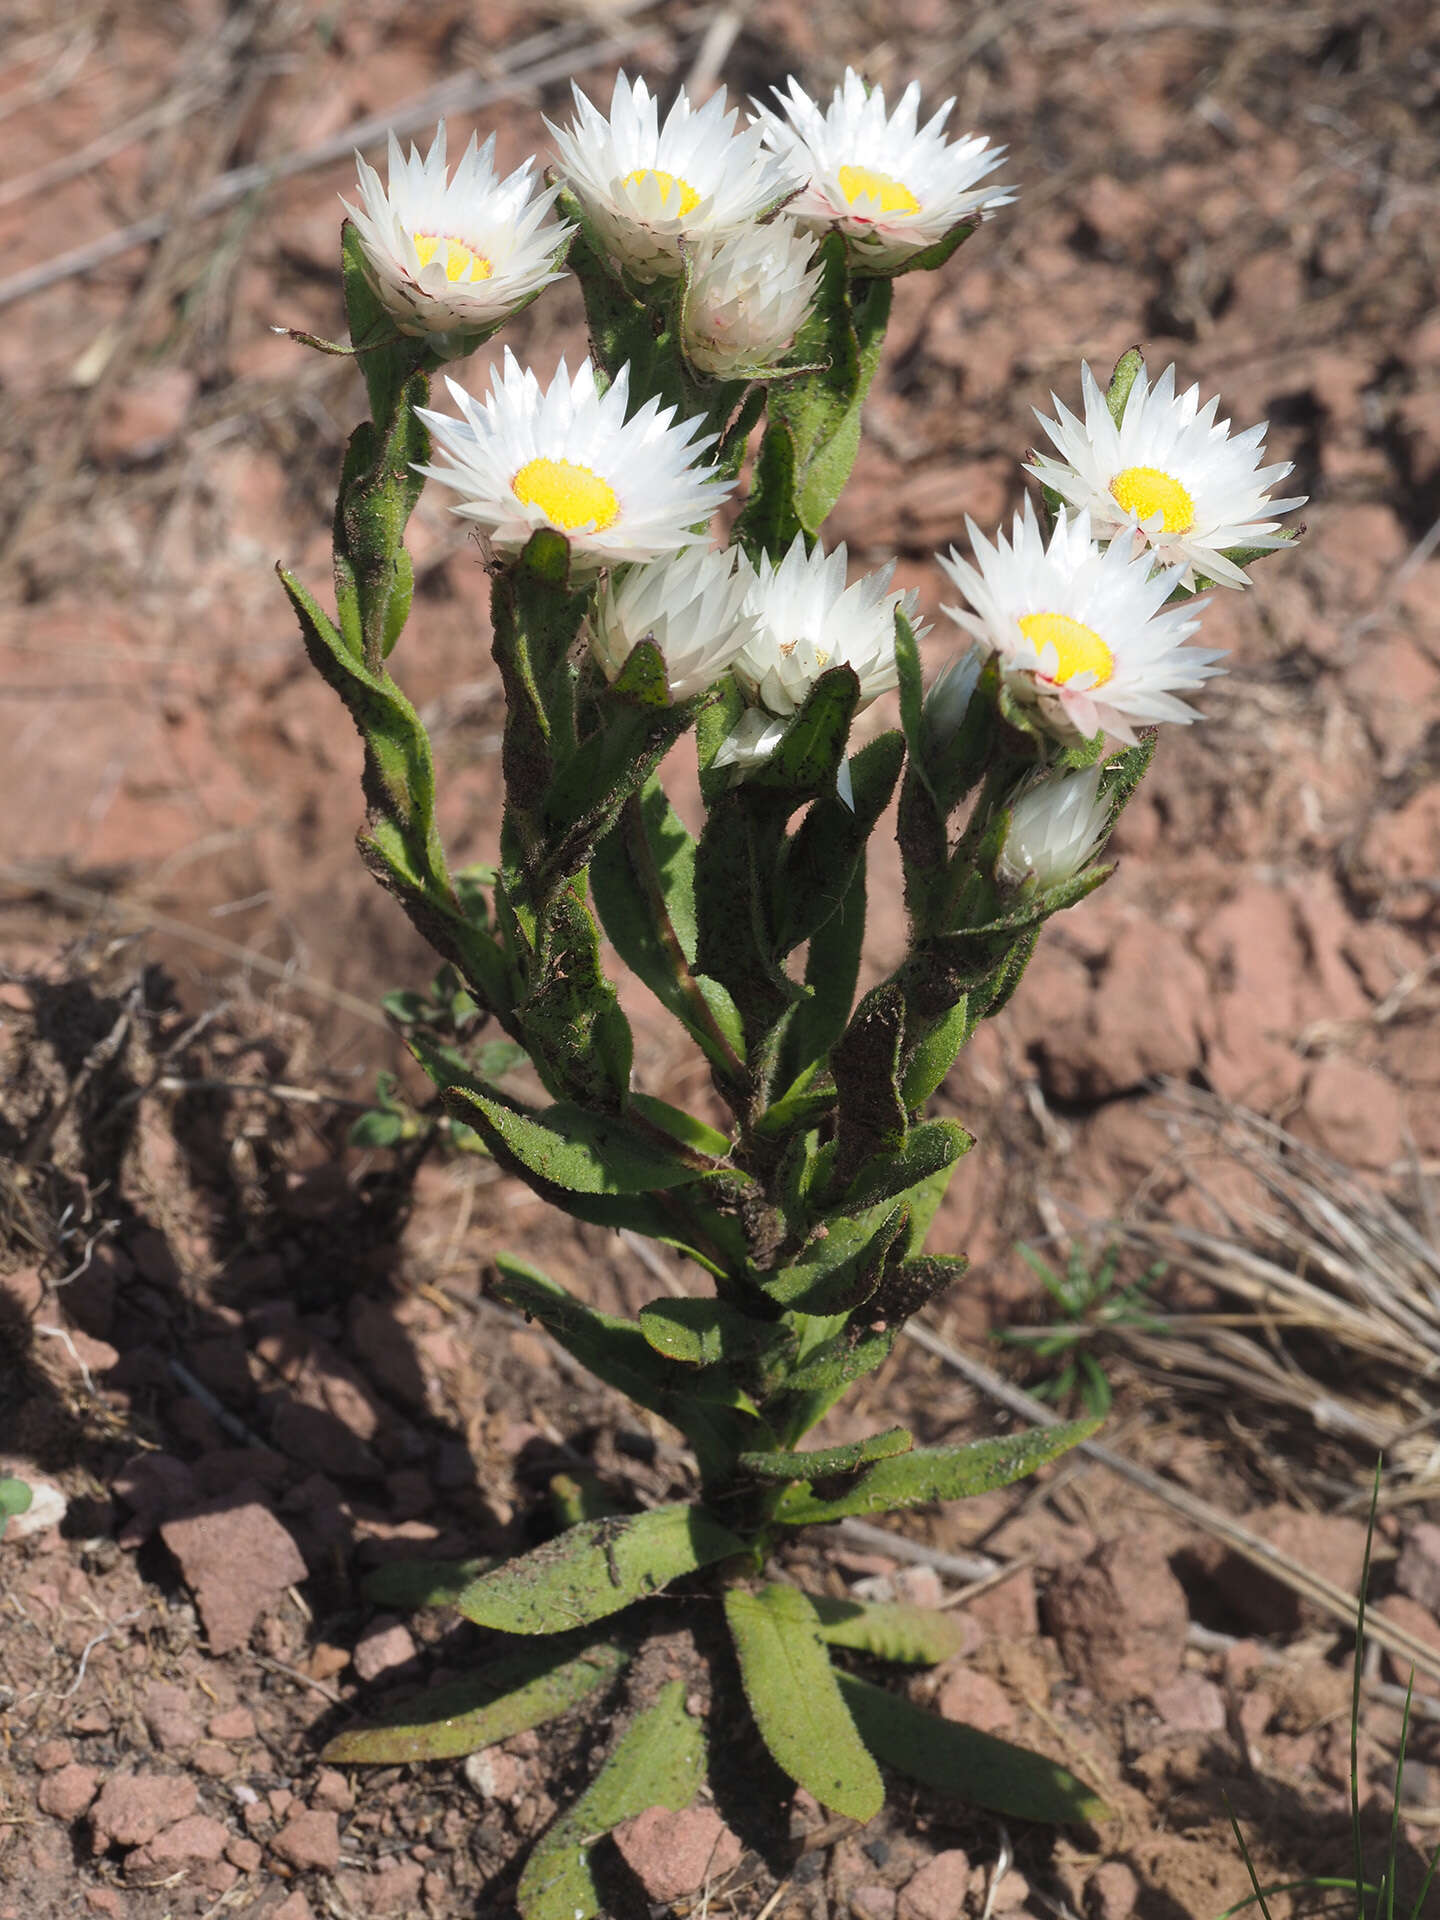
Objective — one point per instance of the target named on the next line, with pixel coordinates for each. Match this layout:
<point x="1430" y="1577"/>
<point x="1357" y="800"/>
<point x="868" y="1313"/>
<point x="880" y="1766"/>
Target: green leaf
<point x="384" y="357"/>
<point x="836" y="1272"/>
<point x="937" y="1473"/>
<point x="935" y="1054"/>
<point x="908" y="1285"/>
<point x="912" y="1636"/>
<point x="381" y="1128"/>
<point x="701" y="1333"/>
<point x="814" y="423"/>
<point x="502" y="1699"/>
<point x="659" y="1762"/>
<point x="1127" y="369"/>
<point x="930" y="1149"/>
<point x="614" y="1349"/>
<point x="595" y="1569"/>
<point x="836" y="1365"/>
<point x="681" y="1126"/>
<point x="577" y="1497"/>
<point x="824" y="1461"/>
<point x="822" y="857"/>
<point x="15" y="1498"/>
<point x="832" y="968"/>
<point x="957" y="1759"/>
<point x="402" y="844"/>
<point x="929" y="258"/>
<point x="566" y="1146"/>
<point x="642" y="879"/>
<point x="423" y="1583"/>
<point x="796" y="1700"/>
<point x="734" y="867"/>
<point x="807" y="760"/>
<point x="871" y="1121"/>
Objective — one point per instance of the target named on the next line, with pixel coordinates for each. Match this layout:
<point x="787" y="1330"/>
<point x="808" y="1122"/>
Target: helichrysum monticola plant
<point x="738" y="278"/>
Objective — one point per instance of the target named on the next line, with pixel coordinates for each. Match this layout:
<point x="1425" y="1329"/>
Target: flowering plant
<point x="734" y="278"/>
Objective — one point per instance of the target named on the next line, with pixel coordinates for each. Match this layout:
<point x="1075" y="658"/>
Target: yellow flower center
<point x="461" y="262"/>
<point x="669" y="183"/>
<point x="894" y="196"/>
<point x="568" y="495"/>
<point x="1079" y="649"/>
<point x="1146" y="491"/>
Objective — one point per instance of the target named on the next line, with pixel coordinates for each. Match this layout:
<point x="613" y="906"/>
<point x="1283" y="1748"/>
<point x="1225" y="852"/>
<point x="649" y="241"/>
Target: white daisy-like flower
<point x="692" y="605"/>
<point x="1082" y="632"/>
<point x="1055" y="829"/>
<point x="890" y="185"/>
<point x="455" y="256"/>
<point x="648" y="186"/>
<point x="566" y="457"/>
<point x="1169" y="471"/>
<point x="807" y="621"/>
<point x="748" y="297"/>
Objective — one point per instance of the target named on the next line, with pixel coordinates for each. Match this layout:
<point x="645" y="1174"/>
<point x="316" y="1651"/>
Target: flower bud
<point x="1055" y="829"/>
<point x="691" y="605"/>
<point x="747" y="298"/>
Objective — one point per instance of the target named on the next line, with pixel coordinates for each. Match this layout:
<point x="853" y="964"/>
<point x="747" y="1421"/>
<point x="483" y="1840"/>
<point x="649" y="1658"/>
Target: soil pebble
<point x="675" y="1854"/>
<point x="237" y="1560"/>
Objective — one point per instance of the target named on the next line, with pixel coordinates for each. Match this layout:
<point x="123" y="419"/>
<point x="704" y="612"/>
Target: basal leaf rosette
<point x="649" y="185"/>
<point x="893" y="187"/>
<point x="1082" y="633"/>
<point x="807" y="621"/>
<point x="747" y="297"/>
<point x="1170" y="474"/>
<point x="455" y="256"/>
<point x="568" y="458"/>
<point x="692" y="606"/>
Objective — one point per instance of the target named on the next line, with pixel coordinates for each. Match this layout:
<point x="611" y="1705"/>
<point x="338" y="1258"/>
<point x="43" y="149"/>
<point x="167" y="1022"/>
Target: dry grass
<point x="1337" y="1288"/>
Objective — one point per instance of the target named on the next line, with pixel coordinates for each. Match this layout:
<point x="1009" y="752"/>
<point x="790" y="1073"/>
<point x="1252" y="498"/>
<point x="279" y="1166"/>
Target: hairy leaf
<point x="595" y="1569"/>
<point x="700" y="1403"/>
<point x="507" y="1697"/>
<point x="1127" y="371"/>
<point x="913" y="1636"/>
<point x="659" y="1762"/>
<point x="423" y="1583"/>
<point x="824" y="1461"/>
<point x="796" y="1700"/>
<point x="701" y="1332"/>
<point x="839" y="1270"/>
<point x="931" y="1148"/>
<point x="566" y="1146"/>
<point x="937" y="1473"/>
<point x="958" y="1759"/>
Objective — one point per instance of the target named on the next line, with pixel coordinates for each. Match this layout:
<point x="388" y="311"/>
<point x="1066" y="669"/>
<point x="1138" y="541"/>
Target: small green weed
<point x="1091" y="1302"/>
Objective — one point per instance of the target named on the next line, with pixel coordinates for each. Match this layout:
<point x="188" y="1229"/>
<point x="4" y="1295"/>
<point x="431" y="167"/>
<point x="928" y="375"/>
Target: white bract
<point x="748" y="298"/>
<point x="566" y="457"/>
<point x="890" y="185"/>
<point x="1082" y="632"/>
<point x="1169" y="471"/>
<point x="1055" y="829"/>
<point x="808" y="620"/>
<point x="691" y="605"/>
<point x="455" y="256"/>
<point x="648" y="186"/>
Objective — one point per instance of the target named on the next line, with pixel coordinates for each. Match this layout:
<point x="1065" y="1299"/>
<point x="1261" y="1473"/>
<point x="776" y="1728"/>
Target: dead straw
<point x="1314" y="1587"/>
<point x="1340" y="1292"/>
